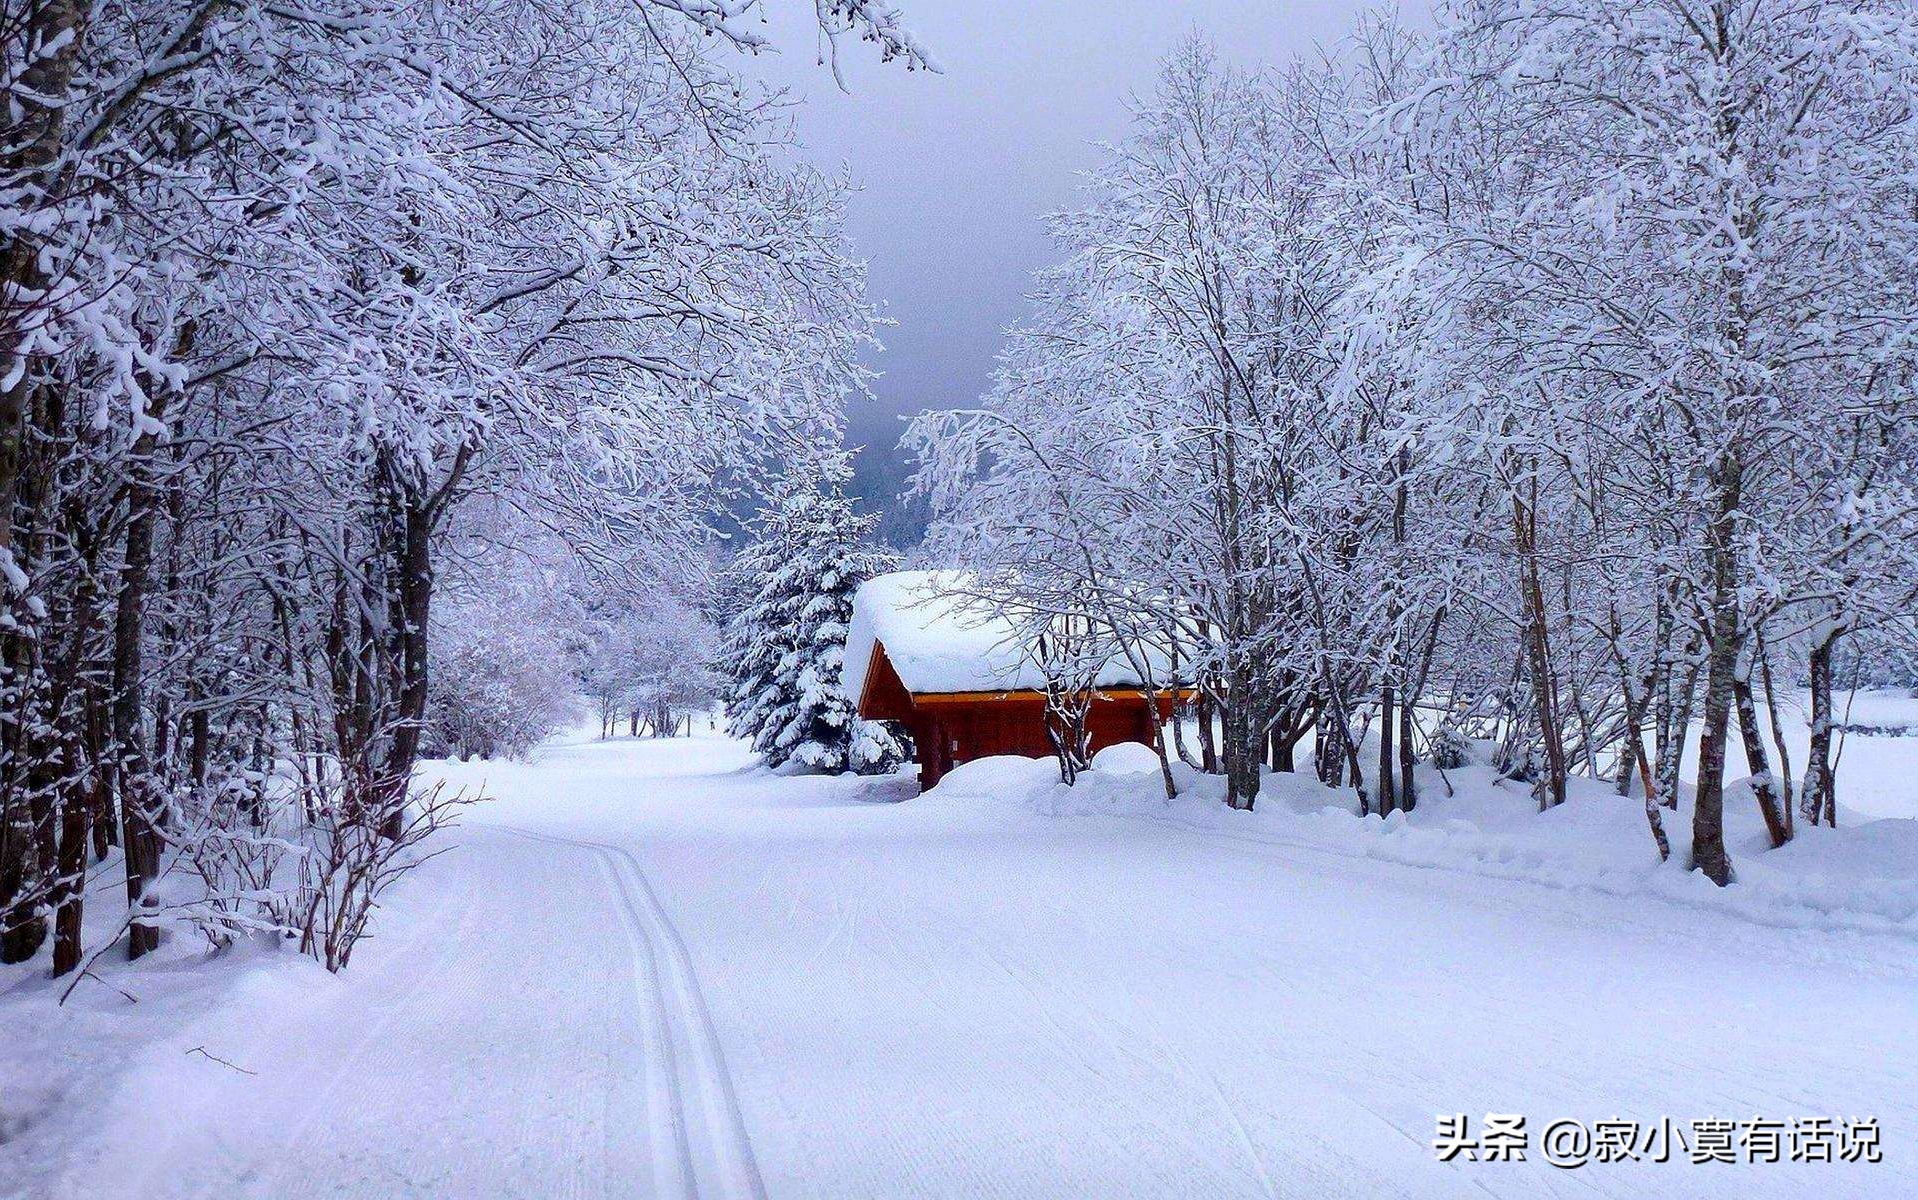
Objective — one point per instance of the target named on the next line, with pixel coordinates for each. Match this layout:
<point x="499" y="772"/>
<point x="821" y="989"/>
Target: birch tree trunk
<point x="1819" y="803"/>
<point x="1764" y="786"/>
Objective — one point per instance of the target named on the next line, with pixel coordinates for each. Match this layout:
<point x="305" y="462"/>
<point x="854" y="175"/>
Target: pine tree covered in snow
<point x="786" y="647"/>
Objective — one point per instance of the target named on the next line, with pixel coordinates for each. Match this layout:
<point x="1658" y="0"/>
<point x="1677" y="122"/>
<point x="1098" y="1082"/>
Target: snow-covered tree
<point x="1689" y="229"/>
<point x="786" y="649"/>
<point x="1552" y="370"/>
<point x="653" y="664"/>
<point x="285" y="292"/>
<point x="503" y="650"/>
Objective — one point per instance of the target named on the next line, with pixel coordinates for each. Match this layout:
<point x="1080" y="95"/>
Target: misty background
<point x="957" y="171"/>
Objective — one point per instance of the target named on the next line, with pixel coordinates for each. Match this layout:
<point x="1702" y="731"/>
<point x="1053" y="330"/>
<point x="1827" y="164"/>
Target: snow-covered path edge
<point x="1861" y="878"/>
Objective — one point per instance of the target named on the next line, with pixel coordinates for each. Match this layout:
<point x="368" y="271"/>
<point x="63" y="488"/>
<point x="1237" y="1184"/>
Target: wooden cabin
<point x="960" y="681"/>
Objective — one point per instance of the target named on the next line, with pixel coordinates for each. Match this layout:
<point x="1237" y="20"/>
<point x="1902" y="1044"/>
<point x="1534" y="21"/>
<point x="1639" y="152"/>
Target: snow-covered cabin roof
<point x="940" y="640"/>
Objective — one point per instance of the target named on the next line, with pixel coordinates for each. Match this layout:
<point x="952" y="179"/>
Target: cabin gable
<point x="883" y="697"/>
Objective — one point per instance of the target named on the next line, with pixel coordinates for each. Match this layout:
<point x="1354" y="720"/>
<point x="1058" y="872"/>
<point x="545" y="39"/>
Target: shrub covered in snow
<point x="1450" y="749"/>
<point x="499" y="683"/>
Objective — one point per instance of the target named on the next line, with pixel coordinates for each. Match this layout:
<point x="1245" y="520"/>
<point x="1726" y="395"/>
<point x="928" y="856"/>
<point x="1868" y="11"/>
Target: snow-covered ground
<point x="1877" y="774"/>
<point x="650" y="969"/>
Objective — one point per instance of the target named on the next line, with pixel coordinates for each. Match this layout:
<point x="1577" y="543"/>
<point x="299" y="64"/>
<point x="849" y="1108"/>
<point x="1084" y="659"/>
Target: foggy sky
<point x="958" y="169"/>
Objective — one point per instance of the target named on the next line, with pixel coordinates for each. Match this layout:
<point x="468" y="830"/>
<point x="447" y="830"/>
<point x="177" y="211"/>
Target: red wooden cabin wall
<point x="949" y="732"/>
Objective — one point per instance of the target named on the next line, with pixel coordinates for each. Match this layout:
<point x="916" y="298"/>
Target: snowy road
<point x="648" y="972"/>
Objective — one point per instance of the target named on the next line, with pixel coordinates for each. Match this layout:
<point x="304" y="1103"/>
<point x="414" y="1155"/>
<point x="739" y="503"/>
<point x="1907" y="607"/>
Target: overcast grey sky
<point x="957" y="170"/>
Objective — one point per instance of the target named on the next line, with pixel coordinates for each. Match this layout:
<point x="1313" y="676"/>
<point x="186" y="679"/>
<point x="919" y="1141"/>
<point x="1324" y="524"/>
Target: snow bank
<point x="999" y="780"/>
<point x="1863" y="877"/>
<point x="155" y="1036"/>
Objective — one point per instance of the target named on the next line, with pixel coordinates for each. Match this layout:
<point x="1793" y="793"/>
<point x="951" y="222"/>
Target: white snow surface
<point x="1877" y="773"/>
<point x="941" y="639"/>
<point x="648" y="968"/>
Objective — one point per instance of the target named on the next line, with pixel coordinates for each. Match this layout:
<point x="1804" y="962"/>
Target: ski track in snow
<point x="694" y="1144"/>
<point x="692" y="1096"/>
<point x="645" y="970"/>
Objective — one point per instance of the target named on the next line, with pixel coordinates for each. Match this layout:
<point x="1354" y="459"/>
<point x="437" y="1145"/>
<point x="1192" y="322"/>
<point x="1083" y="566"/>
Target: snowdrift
<point x="1861" y="876"/>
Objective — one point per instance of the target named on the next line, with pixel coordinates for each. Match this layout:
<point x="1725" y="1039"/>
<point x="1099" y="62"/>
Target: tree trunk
<point x="22" y="735"/>
<point x="411" y="612"/>
<point x="1676" y="732"/>
<point x="1408" y="709"/>
<point x="1285" y="745"/>
<point x="1155" y="737"/>
<point x="1065" y="720"/>
<point x="138" y="798"/>
<point x="1633" y="756"/>
<point x="21" y="929"/>
<point x="1388" y="765"/>
<point x="1179" y="713"/>
<point x="1764" y="788"/>
<point x="1708" y="831"/>
<point x="1328" y="755"/>
<point x="199" y="741"/>
<point x="69" y="897"/>
<point x="1538" y="651"/>
<point x="81" y="738"/>
<point x="1721" y="665"/>
<point x="1241" y="753"/>
<point x="1408" y="785"/>
<point x="106" y="833"/>
<point x="1674" y="695"/>
<point x="55" y="29"/>
<point x="1819" y="803"/>
<point x="1785" y="796"/>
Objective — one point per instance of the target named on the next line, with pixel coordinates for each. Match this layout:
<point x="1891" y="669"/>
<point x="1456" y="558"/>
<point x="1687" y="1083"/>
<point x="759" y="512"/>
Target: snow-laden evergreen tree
<point x="786" y="648"/>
